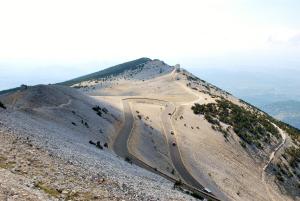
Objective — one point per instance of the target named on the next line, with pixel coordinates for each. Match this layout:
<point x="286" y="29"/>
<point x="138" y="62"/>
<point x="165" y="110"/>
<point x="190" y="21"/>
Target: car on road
<point x="172" y="132"/>
<point x="174" y="144"/>
<point x="207" y="190"/>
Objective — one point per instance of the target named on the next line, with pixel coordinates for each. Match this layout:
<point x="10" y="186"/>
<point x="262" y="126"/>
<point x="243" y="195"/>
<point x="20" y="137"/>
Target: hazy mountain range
<point x="287" y="111"/>
<point x="274" y="91"/>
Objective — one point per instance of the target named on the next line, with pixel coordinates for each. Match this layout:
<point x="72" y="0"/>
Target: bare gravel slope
<point x="79" y="130"/>
<point x="44" y="156"/>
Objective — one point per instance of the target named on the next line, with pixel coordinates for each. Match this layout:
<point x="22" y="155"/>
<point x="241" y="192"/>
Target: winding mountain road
<point x="174" y="150"/>
<point x="120" y="144"/>
<point x="120" y="147"/>
<point x="272" y="155"/>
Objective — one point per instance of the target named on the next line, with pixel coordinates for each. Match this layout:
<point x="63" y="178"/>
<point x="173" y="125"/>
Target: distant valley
<point x="287" y="111"/>
<point x="266" y="89"/>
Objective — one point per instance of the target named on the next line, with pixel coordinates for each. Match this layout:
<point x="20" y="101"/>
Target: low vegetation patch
<point x="293" y="132"/>
<point x="243" y="144"/>
<point x="98" y="144"/>
<point x="2" y="105"/>
<point x="253" y="127"/>
<point x="128" y="160"/>
<point x="5" y="164"/>
<point x="256" y="128"/>
<point x="137" y="64"/>
<point x="100" y="110"/>
<point x="48" y="190"/>
<point x="293" y="157"/>
<point x="180" y="186"/>
<point x="287" y="170"/>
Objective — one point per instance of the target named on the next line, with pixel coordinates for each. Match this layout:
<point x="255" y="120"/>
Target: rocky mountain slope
<point x="53" y="146"/>
<point x="136" y="130"/>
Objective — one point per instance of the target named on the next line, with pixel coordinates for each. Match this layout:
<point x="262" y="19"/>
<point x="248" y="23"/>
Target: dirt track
<point x="272" y="155"/>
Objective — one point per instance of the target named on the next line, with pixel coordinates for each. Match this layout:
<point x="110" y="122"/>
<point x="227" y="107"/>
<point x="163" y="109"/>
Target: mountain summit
<point x="112" y="71"/>
<point x="143" y="130"/>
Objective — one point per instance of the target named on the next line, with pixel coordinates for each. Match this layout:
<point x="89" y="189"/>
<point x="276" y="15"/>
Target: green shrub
<point x="98" y="145"/>
<point x="128" y="160"/>
<point x="104" y="110"/>
<point x="293" y="132"/>
<point x="279" y="177"/>
<point x="243" y="144"/>
<point x="2" y="105"/>
<point x="96" y="108"/>
<point x="47" y="189"/>
<point x="178" y="183"/>
<point x="99" y="113"/>
<point x="112" y="71"/>
<point x="254" y="127"/>
<point x="294" y="156"/>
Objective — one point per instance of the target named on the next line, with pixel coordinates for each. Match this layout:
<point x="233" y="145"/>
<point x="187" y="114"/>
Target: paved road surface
<point x="120" y="144"/>
<point x="120" y="147"/>
<point x="174" y="151"/>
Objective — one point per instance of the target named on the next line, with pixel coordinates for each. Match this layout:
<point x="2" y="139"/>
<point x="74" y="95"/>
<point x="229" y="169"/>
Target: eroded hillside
<point x="55" y="144"/>
<point x="167" y="121"/>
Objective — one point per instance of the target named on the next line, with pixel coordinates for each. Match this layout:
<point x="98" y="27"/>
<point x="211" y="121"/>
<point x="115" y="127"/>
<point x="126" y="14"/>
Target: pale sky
<point x="50" y="41"/>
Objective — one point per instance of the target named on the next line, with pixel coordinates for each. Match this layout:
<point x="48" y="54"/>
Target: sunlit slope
<point x="166" y="120"/>
<point x="220" y="153"/>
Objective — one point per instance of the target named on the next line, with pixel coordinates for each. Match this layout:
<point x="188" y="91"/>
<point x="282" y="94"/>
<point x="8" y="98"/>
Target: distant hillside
<point x="112" y="71"/>
<point x="9" y="90"/>
<point x="287" y="111"/>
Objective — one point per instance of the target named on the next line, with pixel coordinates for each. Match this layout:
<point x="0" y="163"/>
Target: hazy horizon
<point x="45" y="73"/>
<point x="52" y="41"/>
